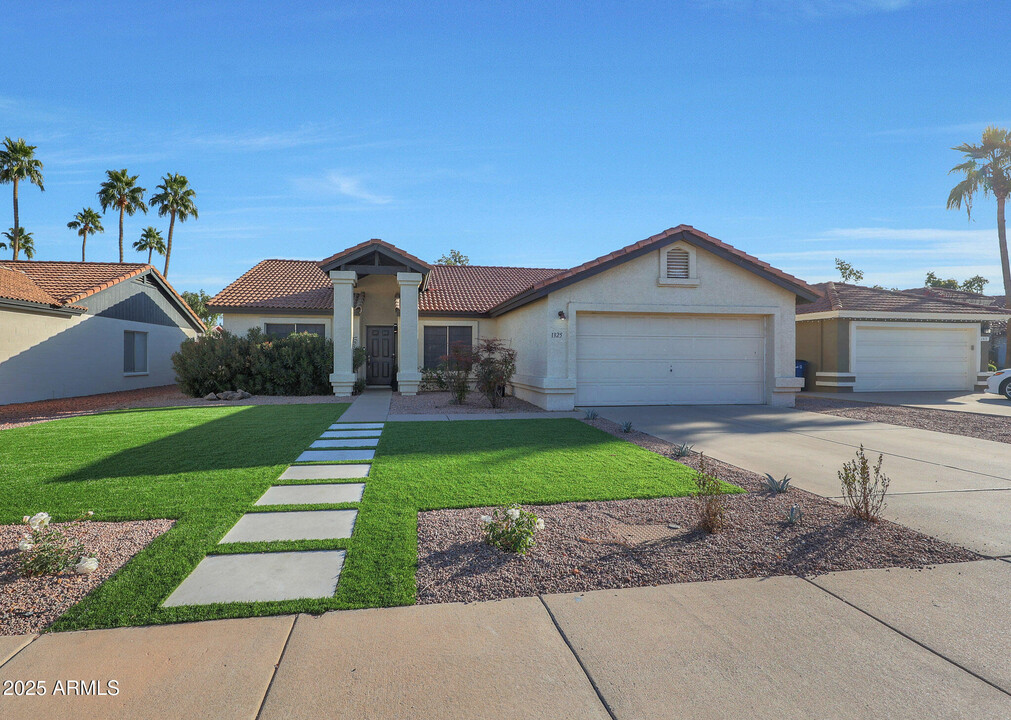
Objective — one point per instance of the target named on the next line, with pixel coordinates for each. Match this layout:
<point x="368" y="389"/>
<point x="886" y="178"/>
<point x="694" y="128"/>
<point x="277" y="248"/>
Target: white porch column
<point x="408" y="376"/>
<point x="342" y="379"/>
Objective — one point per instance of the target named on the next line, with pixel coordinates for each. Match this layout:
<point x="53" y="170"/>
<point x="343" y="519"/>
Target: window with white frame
<point x="134" y="352"/>
<point x="438" y="339"/>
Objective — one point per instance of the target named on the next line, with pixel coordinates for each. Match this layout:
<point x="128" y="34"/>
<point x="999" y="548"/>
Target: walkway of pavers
<point x="897" y="644"/>
<point x="342" y="453"/>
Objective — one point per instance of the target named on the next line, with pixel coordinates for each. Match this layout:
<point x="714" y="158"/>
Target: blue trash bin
<point x="802" y="370"/>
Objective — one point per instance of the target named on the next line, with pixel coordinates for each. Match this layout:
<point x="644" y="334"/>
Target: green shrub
<point x="864" y="486"/>
<point x="456" y="368"/>
<point x="709" y="495"/>
<point x="511" y="529"/>
<point x="432" y="379"/>
<point x="299" y="364"/>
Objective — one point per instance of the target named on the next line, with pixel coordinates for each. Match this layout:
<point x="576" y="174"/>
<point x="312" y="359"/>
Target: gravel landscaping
<point x="976" y="425"/>
<point x="21" y="414"/>
<point x="29" y="605"/>
<point x="440" y="403"/>
<point x="629" y="543"/>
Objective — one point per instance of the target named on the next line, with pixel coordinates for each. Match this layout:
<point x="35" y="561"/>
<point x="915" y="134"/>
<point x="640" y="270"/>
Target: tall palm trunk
<point x="122" y="209"/>
<point x="84" y="241"/>
<point x="150" y="252"/>
<point x="1002" y="240"/>
<point x="17" y="227"/>
<point x="168" y="247"/>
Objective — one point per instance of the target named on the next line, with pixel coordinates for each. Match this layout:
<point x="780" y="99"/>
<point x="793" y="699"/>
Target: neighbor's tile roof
<point x="15" y="285"/>
<point x="858" y="298"/>
<point x="69" y="282"/>
<point x="959" y="295"/>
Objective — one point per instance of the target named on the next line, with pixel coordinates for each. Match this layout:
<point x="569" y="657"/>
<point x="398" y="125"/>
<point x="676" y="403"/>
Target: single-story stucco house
<point x="83" y="328"/>
<point x="678" y="318"/>
<point x="862" y="339"/>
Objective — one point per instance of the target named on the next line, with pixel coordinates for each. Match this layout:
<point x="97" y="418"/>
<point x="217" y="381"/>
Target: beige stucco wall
<point x="546" y="370"/>
<point x="50" y="356"/>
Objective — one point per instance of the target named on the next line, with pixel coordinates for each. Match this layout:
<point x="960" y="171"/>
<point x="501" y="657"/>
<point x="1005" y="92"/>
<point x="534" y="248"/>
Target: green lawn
<point x="205" y="467"/>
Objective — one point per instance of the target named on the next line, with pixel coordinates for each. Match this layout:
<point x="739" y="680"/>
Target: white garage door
<point x="911" y="357"/>
<point x="633" y="359"/>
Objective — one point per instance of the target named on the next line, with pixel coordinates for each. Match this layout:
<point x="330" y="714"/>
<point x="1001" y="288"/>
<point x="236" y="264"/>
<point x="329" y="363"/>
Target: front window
<point x="134" y="352"/>
<point x="438" y="339"/>
<point x="283" y="330"/>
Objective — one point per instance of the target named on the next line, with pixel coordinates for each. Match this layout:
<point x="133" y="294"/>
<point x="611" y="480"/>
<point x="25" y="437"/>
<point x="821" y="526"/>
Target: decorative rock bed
<point x="628" y="543"/>
<point x="29" y="605"/>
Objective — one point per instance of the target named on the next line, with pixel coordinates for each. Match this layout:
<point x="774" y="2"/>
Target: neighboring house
<point x="83" y="328"/>
<point x="996" y="330"/>
<point x="861" y="339"/>
<point x="680" y="317"/>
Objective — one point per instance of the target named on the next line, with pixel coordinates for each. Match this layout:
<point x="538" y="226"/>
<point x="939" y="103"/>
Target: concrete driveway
<point x="982" y="403"/>
<point x="952" y="487"/>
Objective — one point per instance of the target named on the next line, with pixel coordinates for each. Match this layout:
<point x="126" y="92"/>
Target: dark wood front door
<point x="380" y="344"/>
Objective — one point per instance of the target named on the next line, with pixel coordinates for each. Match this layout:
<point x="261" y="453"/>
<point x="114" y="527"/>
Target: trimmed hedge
<point x="299" y="364"/>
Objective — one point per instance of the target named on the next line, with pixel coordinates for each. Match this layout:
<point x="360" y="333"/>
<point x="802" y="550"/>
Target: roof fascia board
<point x="882" y="315"/>
<point x="362" y="252"/>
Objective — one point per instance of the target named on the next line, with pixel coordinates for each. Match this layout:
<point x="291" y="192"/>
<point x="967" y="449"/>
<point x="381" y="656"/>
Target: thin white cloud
<point x="812" y="9"/>
<point x="337" y="183"/>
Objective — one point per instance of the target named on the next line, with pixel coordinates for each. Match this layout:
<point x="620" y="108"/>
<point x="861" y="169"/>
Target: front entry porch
<point x="375" y="300"/>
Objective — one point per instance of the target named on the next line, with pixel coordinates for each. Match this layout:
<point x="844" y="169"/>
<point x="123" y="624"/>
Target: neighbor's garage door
<point x="913" y="357"/>
<point x="633" y="359"/>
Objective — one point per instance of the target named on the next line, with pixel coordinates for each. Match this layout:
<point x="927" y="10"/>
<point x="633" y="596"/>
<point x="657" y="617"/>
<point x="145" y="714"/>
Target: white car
<point x="1000" y="383"/>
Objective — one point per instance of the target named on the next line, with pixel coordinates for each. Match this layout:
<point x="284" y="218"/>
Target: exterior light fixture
<point x="561" y="314"/>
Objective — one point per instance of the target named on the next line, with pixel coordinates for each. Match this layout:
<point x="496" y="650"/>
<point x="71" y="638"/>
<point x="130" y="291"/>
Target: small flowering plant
<point x="511" y="529"/>
<point x="46" y="550"/>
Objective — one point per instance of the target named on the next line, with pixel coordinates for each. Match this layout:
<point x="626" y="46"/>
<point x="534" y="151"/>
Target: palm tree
<point x="151" y="241"/>
<point x="20" y="238"/>
<point x="176" y="201"/>
<point x="17" y="163"/>
<point x="986" y="170"/>
<point x="122" y="191"/>
<point x="86" y="222"/>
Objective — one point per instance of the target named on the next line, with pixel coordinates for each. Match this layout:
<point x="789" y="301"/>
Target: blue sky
<point x="533" y="134"/>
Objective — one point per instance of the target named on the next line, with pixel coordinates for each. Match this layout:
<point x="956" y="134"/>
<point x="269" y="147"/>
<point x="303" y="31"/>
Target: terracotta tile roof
<point x="959" y="295"/>
<point x="302" y="284"/>
<point x="15" y="285"/>
<point x="279" y="284"/>
<point x="476" y="288"/>
<point x="333" y="259"/>
<point x="69" y="282"/>
<point x="858" y="298"/>
<point x="686" y="233"/>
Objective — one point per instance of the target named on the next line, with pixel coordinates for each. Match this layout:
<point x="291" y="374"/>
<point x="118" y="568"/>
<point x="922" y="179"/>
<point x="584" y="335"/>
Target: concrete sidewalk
<point x="490" y="415"/>
<point x="949" y="486"/>
<point x="862" y="644"/>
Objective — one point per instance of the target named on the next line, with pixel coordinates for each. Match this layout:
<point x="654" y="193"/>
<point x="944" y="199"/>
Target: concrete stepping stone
<point x="325" y="472"/>
<point x="336" y="455"/>
<point x="357" y="426"/>
<point x="298" y="525"/>
<point x="309" y="494"/>
<point x="351" y="433"/>
<point x="260" y="577"/>
<point x="345" y="442"/>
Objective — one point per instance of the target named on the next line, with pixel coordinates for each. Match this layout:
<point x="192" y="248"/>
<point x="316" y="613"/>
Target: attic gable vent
<point x="677" y="264"/>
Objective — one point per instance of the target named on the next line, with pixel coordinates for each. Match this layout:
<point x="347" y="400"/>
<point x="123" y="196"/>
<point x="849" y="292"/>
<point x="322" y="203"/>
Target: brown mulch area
<point x="28" y="605"/>
<point x="632" y="543"/>
<point x="21" y="414"/>
<point x="440" y="403"/>
<point x="967" y="424"/>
